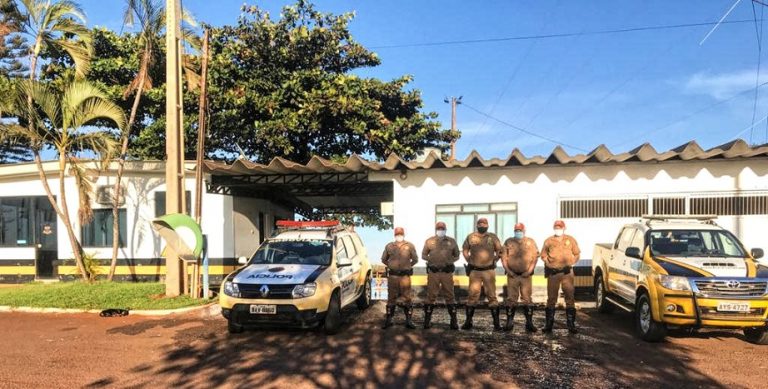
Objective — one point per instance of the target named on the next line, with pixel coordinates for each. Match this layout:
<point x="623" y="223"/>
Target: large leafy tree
<point x="13" y="49"/>
<point x="285" y="88"/>
<point x="56" y="121"/>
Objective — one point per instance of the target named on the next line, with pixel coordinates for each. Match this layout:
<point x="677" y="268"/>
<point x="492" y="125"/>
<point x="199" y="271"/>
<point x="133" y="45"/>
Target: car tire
<point x="332" y="321"/>
<point x="233" y="327"/>
<point x="756" y="335"/>
<point x="602" y="304"/>
<point x="648" y="329"/>
<point x="364" y="301"/>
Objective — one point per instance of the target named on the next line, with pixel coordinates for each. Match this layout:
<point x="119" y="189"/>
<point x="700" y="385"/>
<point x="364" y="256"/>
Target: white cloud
<point x="722" y="86"/>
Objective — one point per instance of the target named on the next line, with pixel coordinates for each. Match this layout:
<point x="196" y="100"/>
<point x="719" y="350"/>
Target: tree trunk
<point x="61" y="213"/>
<point x="121" y="164"/>
<point x="77" y="249"/>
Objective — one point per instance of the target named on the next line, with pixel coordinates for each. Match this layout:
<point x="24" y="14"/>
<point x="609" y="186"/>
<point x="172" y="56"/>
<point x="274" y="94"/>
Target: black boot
<point x="528" y="311"/>
<point x="495" y="313"/>
<point x="510" y="318"/>
<point x="570" y="316"/>
<point x="468" y="322"/>
<point x="428" y="316"/>
<point x="408" y="310"/>
<point x="452" y="313"/>
<point x="550" y="319"/>
<point x="388" y="319"/>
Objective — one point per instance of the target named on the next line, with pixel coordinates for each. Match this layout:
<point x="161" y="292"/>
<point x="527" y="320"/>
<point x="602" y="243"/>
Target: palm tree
<point x="55" y="121"/>
<point x="57" y="24"/>
<point x="149" y="16"/>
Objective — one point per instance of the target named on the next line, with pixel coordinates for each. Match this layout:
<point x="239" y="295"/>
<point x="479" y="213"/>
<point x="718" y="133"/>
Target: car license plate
<point x="264" y="309"/>
<point x="733" y="307"/>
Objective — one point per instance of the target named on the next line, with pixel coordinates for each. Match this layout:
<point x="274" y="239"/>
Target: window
<point x="341" y="253"/>
<point x="21" y="220"/>
<point x="460" y="219"/>
<point x="731" y="205"/>
<point x="98" y="233"/>
<point x="639" y="240"/>
<point x="624" y="239"/>
<point x="349" y="246"/>
<point x="695" y="243"/>
<point x="309" y="252"/>
<point x="160" y="203"/>
<point x="669" y="206"/>
<point x="602" y="208"/>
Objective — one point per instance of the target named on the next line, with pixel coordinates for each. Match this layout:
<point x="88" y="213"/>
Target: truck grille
<point x="712" y="314"/>
<point x="731" y="288"/>
<point x="253" y="291"/>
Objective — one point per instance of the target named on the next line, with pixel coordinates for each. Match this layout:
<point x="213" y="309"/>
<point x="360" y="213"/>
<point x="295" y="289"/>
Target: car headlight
<point x="674" y="282"/>
<point x="305" y="290"/>
<point x="231" y="289"/>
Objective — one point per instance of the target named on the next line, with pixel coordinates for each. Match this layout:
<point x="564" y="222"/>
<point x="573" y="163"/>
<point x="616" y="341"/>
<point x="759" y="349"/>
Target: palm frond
<point x="95" y="109"/>
<point x="100" y="143"/>
<point x="79" y="51"/>
<point x="78" y="92"/>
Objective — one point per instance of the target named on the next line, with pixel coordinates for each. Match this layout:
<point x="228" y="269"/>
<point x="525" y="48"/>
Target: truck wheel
<point x="648" y="329"/>
<point x="233" y="327"/>
<point x="332" y="322"/>
<point x="756" y="335"/>
<point x="364" y="301"/>
<point x="603" y="305"/>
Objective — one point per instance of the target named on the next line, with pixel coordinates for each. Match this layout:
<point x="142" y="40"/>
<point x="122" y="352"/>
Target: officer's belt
<point x="441" y="269"/>
<point x="518" y="274"/>
<point x="548" y="271"/>
<point x="400" y="273"/>
<point x="481" y="268"/>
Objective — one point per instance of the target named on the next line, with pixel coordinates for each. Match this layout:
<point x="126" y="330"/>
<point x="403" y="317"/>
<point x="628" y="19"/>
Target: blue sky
<point x="620" y="90"/>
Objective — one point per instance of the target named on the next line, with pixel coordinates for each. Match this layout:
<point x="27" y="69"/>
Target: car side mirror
<point x="242" y="260"/>
<point x="633" y="252"/>
<point x="343" y="262"/>
<point x="757" y="253"/>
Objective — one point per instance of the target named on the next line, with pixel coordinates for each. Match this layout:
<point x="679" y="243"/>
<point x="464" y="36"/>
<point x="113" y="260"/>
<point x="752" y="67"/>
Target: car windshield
<point x="294" y="252"/>
<point x="694" y="243"/>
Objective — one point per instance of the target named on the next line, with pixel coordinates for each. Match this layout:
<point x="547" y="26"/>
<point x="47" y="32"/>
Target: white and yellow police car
<point x="304" y="276"/>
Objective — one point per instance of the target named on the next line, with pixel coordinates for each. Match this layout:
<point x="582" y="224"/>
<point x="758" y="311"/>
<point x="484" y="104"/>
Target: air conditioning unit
<point x="105" y="194"/>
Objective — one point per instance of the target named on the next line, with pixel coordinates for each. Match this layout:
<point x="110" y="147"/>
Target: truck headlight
<point x="674" y="282"/>
<point x="305" y="290"/>
<point x="231" y="289"/>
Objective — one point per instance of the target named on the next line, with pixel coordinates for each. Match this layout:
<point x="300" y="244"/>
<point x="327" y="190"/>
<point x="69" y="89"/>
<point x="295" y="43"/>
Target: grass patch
<point x="99" y="295"/>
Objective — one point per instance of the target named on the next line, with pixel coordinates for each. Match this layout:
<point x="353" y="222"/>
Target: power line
<point x="758" y="33"/>
<point x="559" y="35"/>
<point x="719" y="22"/>
<point x="523" y="130"/>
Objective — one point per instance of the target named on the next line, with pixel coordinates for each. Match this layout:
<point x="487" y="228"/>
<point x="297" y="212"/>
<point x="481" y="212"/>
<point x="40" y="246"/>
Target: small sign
<point x="379" y="288"/>
<point x="47" y="229"/>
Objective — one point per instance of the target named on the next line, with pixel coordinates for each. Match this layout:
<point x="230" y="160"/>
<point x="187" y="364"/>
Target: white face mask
<point x="399" y="238"/>
<point x="559" y="231"/>
<point x="440" y="233"/>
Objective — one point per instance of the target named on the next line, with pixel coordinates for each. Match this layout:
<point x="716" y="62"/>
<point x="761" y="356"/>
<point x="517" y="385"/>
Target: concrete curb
<point x="138" y="312"/>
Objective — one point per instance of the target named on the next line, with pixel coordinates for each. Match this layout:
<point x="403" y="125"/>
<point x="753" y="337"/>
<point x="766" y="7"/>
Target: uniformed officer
<point x="559" y="253"/>
<point x="482" y="250"/>
<point x="440" y="252"/>
<point x="399" y="257"/>
<point x="519" y="261"/>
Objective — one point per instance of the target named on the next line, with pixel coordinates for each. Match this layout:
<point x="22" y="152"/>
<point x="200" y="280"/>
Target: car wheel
<point x="332" y="322"/>
<point x="603" y="305"/>
<point x="756" y="335"/>
<point x="648" y="329"/>
<point x="364" y="301"/>
<point x="233" y="327"/>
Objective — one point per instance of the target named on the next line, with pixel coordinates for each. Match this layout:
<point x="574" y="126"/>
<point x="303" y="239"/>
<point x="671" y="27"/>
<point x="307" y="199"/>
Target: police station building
<point x="593" y="193"/>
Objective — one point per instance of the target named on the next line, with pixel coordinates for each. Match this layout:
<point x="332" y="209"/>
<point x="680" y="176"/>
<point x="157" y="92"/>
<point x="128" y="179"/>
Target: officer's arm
<point x="465" y="248"/>
<point x="505" y="260"/>
<point x="456" y="252"/>
<point x="532" y="267"/>
<point x="425" y="251"/>
<point x="500" y="252"/>
<point x="545" y="252"/>
<point x="385" y="257"/>
<point x="575" y="250"/>
<point x="414" y="256"/>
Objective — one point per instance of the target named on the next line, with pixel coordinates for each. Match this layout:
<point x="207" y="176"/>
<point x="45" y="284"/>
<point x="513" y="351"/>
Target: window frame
<point x="122" y="213"/>
<point x="491" y="209"/>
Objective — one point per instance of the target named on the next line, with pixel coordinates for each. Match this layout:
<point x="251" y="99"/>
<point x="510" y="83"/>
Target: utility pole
<point x="454" y="101"/>
<point x="174" y="139"/>
<point x="201" y="130"/>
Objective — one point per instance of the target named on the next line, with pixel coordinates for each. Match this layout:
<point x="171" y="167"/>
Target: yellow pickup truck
<point x="682" y="271"/>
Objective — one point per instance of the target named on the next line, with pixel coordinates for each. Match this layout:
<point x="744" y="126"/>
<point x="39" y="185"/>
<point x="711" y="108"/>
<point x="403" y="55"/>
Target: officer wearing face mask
<point x="519" y="261"/>
<point x="560" y="253"/>
<point x="440" y="252"/>
<point x="482" y="250"/>
<point x="399" y="257"/>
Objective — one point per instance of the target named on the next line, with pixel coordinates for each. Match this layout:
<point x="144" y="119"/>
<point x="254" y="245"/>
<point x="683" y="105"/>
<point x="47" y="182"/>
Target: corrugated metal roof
<point x="600" y="155"/>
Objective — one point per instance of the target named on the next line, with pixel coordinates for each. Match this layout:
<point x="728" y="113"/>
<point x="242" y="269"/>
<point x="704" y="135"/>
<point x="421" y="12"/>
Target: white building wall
<point x="537" y="190"/>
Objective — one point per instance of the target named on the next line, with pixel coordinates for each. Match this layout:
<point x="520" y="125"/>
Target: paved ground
<point x="194" y="350"/>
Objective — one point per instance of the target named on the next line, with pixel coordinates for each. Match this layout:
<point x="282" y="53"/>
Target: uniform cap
<point x="399" y="231"/>
<point x="482" y="220"/>
<point x="519" y="227"/>
<point x="559" y="224"/>
<point x="440" y="226"/>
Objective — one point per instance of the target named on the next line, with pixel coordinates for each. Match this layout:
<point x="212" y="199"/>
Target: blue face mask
<point x="519" y="234"/>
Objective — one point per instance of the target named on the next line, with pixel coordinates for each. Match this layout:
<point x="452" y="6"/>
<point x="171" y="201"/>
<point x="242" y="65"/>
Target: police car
<point x="304" y="276"/>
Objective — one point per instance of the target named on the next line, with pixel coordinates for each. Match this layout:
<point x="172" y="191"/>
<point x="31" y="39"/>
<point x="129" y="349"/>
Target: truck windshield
<point x="694" y="243"/>
<point x="295" y="252"/>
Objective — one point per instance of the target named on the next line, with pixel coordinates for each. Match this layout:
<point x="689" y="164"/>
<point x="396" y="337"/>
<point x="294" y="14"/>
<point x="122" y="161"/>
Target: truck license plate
<point x="733" y="307"/>
<point x="264" y="309"/>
